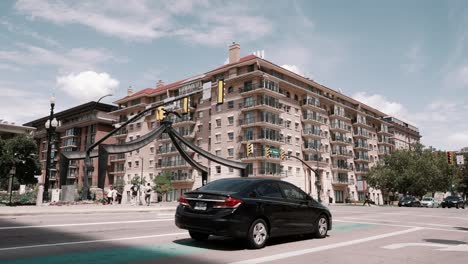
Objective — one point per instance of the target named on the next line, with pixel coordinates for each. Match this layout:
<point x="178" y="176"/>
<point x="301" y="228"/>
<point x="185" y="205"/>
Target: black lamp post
<point x="10" y="181"/>
<point x="50" y="126"/>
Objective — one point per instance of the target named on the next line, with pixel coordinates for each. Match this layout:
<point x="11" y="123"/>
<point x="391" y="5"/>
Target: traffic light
<point x="267" y="152"/>
<point x="185" y="105"/>
<point x="221" y="91"/>
<point x="282" y="154"/>
<point x="249" y="149"/>
<point x="160" y="113"/>
<point x="449" y="157"/>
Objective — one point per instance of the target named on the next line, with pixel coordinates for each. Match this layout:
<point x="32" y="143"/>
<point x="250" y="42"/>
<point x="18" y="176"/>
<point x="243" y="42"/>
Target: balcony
<point x="258" y="155"/>
<point x="172" y="151"/>
<point x="182" y="179"/>
<point x="262" y="122"/>
<point x="310" y="133"/>
<point x="362" y="124"/>
<point x="121" y="133"/>
<point x="343" y="128"/>
<point x="364" y="147"/>
<point x="386" y="142"/>
<point x="340" y="181"/>
<point x="117" y="172"/>
<point x="335" y="116"/>
<point x="128" y="109"/>
<point x="262" y="106"/>
<point x="312" y="149"/>
<point x="271" y="173"/>
<point x="184" y="121"/>
<point x="341" y="154"/>
<point x="253" y="89"/>
<point x="179" y="164"/>
<point x="313" y="161"/>
<point x="261" y="139"/>
<point x="384" y="152"/>
<point x="361" y="159"/>
<point x="86" y="120"/>
<point x="361" y="171"/>
<point x="385" y="133"/>
<point x="340" y="141"/>
<point x="117" y="157"/>
<point x="341" y="168"/>
<point x="312" y="105"/>
<point x="313" y="119"/>
<point x="361" y="135"/>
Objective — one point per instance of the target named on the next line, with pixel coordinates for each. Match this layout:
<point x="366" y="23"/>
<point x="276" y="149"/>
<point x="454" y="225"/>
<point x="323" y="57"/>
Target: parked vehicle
<point x="428" y="202"/>
<point x="251" y="208"/>
<point x="409" y="201"/>
<point x="453" y="201"/>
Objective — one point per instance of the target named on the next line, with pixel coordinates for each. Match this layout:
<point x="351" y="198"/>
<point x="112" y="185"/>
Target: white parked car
<point x="428" y="202"/>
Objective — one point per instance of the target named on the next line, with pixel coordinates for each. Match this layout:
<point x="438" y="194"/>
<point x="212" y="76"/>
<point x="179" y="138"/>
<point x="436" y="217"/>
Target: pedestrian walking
<point x="148" y="194"/>
<point x="134" y="191"/>
<point x="367" y="200"/>
<point x="110" y="195"/>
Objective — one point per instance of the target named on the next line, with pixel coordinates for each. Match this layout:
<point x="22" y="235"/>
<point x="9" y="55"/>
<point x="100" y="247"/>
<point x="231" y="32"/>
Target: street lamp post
<point x="50" y="126"/>
<point x="10" y="181"/>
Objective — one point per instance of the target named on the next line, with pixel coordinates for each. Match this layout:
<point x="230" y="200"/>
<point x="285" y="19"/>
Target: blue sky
<point x="407" y="58"/>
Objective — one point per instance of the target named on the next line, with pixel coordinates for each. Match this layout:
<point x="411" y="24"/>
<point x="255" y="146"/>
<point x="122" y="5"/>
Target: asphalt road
<point x="360" y="235"/>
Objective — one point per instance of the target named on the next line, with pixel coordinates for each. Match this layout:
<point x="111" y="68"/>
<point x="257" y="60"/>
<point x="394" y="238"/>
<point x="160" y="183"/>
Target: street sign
<point x="274" y="152"/>
<point x="460" y="160"/>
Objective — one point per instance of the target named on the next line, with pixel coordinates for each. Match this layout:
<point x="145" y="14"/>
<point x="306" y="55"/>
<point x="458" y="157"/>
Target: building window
<point x="151" y="150"/>
<point x="230" y="104"/>
<point x="200" y="114"/>
<point x="138" y="125"/>
<point x="218" y="138"/>
<point x="218" y="169"/>
<point x="218" y="153"/>
<point x="137" y="163"/>
<point x="218" y="108"/>
<point x="230" y="120"/>
<point x="129" y="165"/>
<point x="151" y="162"/>
<point x="231" y="136"/>
<point x="298" y="171"/>
<point x="151" y="175"/>
<point x="230" y="152"/>
<point x="199" y="141"/>
<point x="218" y="122"/>
<point x="230" y="89"/>
<point x="231" y="170"/>
<point x="199" y="127"/>
<point x="296" y="126"/>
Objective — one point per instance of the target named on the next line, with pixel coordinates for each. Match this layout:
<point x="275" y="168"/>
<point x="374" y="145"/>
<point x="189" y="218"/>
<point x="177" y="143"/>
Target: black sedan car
<point x="453" y="201"/>
<point x="409" y="201"/>
<point x="251" y="208"/>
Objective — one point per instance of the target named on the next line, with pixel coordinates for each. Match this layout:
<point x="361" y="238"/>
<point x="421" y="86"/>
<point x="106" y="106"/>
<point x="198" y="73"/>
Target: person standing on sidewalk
<point x="134" y="191"/>
<point x="148" y="194"/>
<point x="367" y="200"/>
<point x="110" y="195"/>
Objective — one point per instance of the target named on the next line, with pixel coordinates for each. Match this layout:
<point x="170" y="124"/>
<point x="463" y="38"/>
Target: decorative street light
<point x="50" y="126"/>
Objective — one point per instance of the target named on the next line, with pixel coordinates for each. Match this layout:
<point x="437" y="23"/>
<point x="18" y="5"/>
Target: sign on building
<point x="460" y="160"/>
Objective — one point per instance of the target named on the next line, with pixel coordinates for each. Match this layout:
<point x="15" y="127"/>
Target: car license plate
<point x="200" y="206"/>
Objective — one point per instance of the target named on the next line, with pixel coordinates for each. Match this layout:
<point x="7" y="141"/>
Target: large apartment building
<point x="269" y="107"/>
<point x="78" y="128"/>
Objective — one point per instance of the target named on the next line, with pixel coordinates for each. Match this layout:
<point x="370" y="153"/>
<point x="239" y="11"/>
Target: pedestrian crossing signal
<point x="249" y="149"/>
<point x="282" y="154"/>
<point x="221" y="94"/>
<point x="160" y="113"/>
<point x="267" y="152"/>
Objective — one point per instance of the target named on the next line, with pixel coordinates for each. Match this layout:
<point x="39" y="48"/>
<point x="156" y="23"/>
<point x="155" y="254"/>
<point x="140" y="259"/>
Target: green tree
<point x="21" y="152"/>
<point x="162" y="183"/>
<point x="417" y="170"/>
<point x="119" y="185"/>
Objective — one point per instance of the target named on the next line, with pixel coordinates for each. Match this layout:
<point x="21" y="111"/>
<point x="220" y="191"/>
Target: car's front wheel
<point x="322" y="227"/>
<point x="198" y="235"/>
<point x="258" y="234"/>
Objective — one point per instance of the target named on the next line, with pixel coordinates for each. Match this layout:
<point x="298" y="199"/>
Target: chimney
<point x="129" y="91"/>
<point x="234" y="53"/>
<point x="160" y="83"/>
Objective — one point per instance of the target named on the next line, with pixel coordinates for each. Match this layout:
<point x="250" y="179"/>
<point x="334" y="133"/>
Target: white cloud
<point x="292" y="68"/>
<point x="17" y="106"/>
<point x="87" y="86"/>
<point x="381" y="103"/>
<point x="142" y="21"/>
<point x="74" y="59"/>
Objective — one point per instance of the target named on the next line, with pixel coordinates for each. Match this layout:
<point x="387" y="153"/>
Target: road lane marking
<point x="92" y="241"/>
<point x="441" y="247"/>
<point x="393" y="221"/>
<point x="383" y="224"/>
<point x="323" y="248"/>
<point x="85" y="224"/>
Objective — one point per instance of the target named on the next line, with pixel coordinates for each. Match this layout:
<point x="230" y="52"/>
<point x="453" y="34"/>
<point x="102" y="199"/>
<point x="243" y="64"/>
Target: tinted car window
<point x="269" y="189"/>
<point x="226" y="185"/>
<point x="292" y="192"/>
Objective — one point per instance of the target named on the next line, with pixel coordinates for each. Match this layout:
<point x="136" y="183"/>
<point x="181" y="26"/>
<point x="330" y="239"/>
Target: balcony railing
<point x="255" y="137"/>
<point x="176" y="163"/>
<point x="254" y="120"/>
<point x="258" y="87"/>
<point x="182" y="178"/>
<point x="340" y="180"/>
<point x="312" y="132"/>
<point x="261" y="103"/>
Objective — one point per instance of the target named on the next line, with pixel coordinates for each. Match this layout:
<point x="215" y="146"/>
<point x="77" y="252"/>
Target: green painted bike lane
<point x="141" y="253"/>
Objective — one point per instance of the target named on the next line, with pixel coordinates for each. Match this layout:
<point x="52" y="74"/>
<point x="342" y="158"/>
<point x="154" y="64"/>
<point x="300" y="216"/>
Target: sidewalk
<point x="166" y="207"/>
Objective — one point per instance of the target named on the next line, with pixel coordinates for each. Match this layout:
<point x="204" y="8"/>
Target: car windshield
<point x="226" y="185"/>
<point x="407" y="198"/>
<point x="427" y="199"/>
<point x="451" y="198"/>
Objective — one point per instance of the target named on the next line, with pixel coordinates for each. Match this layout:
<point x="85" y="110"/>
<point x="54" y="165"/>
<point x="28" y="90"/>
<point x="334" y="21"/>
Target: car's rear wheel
<point x="258" y="234"/>
<point x="322" y="227"/>
<point x="198" y="235"/>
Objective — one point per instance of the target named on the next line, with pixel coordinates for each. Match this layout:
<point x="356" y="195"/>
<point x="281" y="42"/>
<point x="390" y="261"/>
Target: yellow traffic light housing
<point x="282" y="154"/>
<point x="220" y="91"/>
<point x="249" y="149"/>
<point x="160" y="113"/>
<point x="267" y="152"/>
<point x="185" y="105"/>
<point x="449" y="157"/>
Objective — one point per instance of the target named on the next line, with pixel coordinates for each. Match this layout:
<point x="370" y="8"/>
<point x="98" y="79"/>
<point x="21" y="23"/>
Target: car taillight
<point x="183" y="201"/>
<point x="229" y="202"/>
